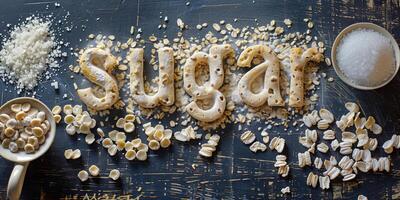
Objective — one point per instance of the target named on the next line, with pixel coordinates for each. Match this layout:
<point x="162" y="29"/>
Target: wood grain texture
<point x="235" y="172"/>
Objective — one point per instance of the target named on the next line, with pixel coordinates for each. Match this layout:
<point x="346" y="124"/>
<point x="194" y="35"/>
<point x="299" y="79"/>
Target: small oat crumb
<point x="165" y="41"/>
<point x="194" y="166"/>
<point x="362" y="197"/>
<point x="180" y="23"/>
<point x="330" y="79"/>
<point x="310" y="25"/>
<point x="111" y="37"/>
<point x="285" y="190"/>
<point x="279" y="30"/>
<point x="132" y="30"/>
<point x="153" y="38"/>
<point x="328" y="62"/>
<point x="288" y="22"/>
<point x="216" y="27"/>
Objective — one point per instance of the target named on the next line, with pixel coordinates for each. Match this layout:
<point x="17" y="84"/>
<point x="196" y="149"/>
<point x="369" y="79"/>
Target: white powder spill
<point x="28" y="52"/>
<point x="366" y="57"/>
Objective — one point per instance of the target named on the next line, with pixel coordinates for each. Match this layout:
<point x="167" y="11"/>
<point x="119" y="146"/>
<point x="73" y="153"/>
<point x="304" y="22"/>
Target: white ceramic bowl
<point x="22" y="159"/>
<point x="376" y="28"/>
<point x="21" y="156"/>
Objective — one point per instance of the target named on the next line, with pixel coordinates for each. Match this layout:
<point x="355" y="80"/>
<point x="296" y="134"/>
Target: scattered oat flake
<point x="288" y="22"/>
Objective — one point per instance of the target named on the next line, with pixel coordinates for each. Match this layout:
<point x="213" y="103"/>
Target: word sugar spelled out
<point x="208" y="103"/>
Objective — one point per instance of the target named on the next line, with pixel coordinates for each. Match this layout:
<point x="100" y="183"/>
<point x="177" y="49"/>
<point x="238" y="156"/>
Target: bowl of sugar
<point x="365" y="56"/>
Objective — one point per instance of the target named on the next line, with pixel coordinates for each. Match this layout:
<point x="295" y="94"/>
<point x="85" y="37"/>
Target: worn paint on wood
<point x="235" y="172"/>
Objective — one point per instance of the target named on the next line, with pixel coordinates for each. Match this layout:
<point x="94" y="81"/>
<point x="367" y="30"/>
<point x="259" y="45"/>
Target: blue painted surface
<point x="235" y="173"/>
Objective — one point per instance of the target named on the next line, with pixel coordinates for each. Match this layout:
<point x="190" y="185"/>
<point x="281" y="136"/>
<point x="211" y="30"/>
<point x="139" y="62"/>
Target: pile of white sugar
<point x="366" y="57"/>
<point x="28" y="52"/>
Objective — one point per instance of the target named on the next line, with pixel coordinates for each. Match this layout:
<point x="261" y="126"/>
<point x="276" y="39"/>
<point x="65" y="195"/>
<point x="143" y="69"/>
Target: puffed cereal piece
<point x="154" y="145"/>
<point x="83" y="175"/>
<point x="130" y="154"/>
<point x="141" y="155"/>
<point x="114" y="174"/>
<point x="94" y="170"/>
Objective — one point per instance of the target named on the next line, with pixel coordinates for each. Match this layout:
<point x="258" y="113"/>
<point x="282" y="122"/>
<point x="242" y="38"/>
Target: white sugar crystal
<point x="366" y="57"/>
<point x="55" y="85"/>
<point x="26" y="54"/>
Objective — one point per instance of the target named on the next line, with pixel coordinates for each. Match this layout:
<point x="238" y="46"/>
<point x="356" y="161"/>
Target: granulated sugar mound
<point x="366" y="57"/>
<point x="28" y="52"/>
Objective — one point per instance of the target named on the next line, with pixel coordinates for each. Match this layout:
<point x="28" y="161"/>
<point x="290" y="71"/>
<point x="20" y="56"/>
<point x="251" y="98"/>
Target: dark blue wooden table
<point x="235" y="172"/>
